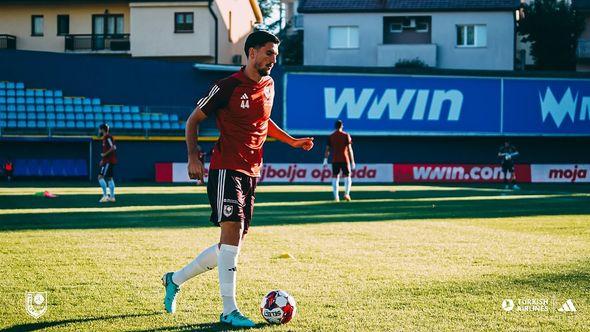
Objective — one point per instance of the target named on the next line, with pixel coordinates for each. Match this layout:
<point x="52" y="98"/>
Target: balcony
<point x="7" y="42"/>
<point x="116" y="43"/>
<point x="583" y="51"/>
<point x="390" y="54"/>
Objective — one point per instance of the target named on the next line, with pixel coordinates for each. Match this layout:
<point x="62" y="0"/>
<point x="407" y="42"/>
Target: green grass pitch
<point x="397" y="258"/>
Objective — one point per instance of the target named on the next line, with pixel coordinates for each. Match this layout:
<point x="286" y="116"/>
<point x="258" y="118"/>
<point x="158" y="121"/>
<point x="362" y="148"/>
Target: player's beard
<point x="264" y="70"/>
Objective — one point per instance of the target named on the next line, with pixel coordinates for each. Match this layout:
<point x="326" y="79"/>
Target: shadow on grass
<point x="58" y="323"/>
<point x="203" y="327"/>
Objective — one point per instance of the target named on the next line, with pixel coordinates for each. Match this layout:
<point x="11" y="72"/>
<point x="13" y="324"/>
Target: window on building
<point x="344" y="37"/>
<point x="474" y="35"/>
<point x="37" y="25"/>
<point x="183" y="22"/>
<point x="63" y="25"/>
<point x="409" y="24"/>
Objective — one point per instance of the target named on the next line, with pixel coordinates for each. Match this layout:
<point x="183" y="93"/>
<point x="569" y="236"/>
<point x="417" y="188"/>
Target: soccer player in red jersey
<point x="241" y="105"/>
<point x="340" y="143"/>
<point x="107" y="164"/>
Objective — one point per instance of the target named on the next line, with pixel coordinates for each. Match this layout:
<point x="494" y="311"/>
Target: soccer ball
<point x="278" y="307"/>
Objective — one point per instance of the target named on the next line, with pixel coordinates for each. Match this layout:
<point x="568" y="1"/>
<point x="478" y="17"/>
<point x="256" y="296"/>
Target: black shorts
<point x="508" y="167"/>
<point x="231" y="195"/>
<point x="107" y="170"/>
<point x="337" y="167"/>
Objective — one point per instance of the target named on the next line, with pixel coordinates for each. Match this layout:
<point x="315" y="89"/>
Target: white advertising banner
<point x="573" y="173"/>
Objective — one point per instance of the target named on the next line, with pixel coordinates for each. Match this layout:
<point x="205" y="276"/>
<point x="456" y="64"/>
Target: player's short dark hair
<point x="104" y="127"/>
<point x="258" y="39"/>
<point x="338" y="124"/>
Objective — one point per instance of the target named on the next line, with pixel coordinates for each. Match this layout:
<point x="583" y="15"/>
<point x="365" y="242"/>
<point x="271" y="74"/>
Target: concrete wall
<point x="16" y="20"/>
<point x="497" y="55"/>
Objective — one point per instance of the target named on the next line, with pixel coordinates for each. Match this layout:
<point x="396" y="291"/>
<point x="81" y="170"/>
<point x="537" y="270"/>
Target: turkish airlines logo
<point x="566" y="107"/>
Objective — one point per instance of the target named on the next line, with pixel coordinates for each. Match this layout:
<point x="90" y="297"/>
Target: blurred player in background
<point x="241" y="105"/>
<point x="107" y="164"/>
<point x="340" y="143"/>
<point x="507" y="154"/>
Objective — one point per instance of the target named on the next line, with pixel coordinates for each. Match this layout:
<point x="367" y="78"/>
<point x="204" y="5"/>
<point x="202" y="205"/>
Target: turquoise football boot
<point x="171" y="290"/>
<point x="236" y="319"/>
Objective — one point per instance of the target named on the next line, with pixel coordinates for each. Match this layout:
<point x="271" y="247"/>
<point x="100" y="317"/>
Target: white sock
<point x="103" y="185"/>
<point x="335" y="183"/>
<point x="347" y="185"/>
<point x="205" y="261"/>
<point x="227" y="262"/>
<point x="112" y="187"/>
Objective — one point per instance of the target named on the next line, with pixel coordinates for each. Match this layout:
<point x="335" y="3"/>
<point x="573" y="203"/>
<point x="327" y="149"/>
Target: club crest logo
<point x="228" y="210"/>
<point x="36" y="303"/>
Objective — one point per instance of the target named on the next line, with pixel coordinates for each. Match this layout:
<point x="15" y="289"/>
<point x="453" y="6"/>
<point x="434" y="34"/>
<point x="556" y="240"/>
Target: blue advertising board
<point x="435" y="105"/>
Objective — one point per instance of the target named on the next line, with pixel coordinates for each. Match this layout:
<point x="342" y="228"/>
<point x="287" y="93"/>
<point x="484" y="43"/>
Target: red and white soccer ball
<point x="278" y="307"/>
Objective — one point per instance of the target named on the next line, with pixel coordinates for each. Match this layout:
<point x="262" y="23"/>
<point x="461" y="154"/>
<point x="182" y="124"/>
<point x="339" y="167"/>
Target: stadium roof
<point x="342" y="6"/>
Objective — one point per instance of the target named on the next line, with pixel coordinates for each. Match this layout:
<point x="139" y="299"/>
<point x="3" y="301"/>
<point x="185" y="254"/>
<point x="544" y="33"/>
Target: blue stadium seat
<point x="2" y="84"/>
<point x="20" y="85"/>
<point x="78" y="101"/>
<point x="58" y="93"/>
<point x="51" y="116"/>
<point x="98" y="117"/>
<point x="3" y="116"/>
<point x="97" y="109"/>
<point x="145" y="117"/>
<point x="41" y="116"/>
<point x="31" y="124"/>
<point x="10" y="85"/>
<point x="11" y="93"/>
<point x="68" y="101"/>
<point x="30" y="108"/>
<point x="40" y="108"/>
<point x="20" y="93"/>
<point x="88" y="116"/>
<point x="3" y="123"/>
<point x="3" y="108"/>
<point x="2" y="100"/>
<point x="39" y="100"/>
<point x="79" y="116"/>
<point x="21" y="124"/>
<point x="21" y="116"/>
<point x="136" y="117"/>
<point x="2" y="92"/>
<point x="87" y="109"/>
<point x="175" y="125"/>
<point x="39" y="93"/>
<point x="107" y="109"/>
<point x="147" y="125"/>
<point x="11" y="100"/>
<point x="89" y="124"/>
<point x="50" y="108"/>
<point x="95" y="101"/>
<point x="117" y="117"/>
<point x="157" y="125"/>
<point x="11" y="116"/>
<point x="126" y="117"/>
<point x="20" y="108"/>
<point x="155" y="117"/>
<point x="48" y="93"/>
<point x="182" y="125"/>
<point x="66" y="116"/>
<point x="108" y="117"/>
<point x="64" y="124"/>
<point x="79" y="124"/>
<point x="49" y="100"/>
<point x="51" y="124"/>
<point x="59" y="108"/>
<point x="78" y="109"/>
<point x="41" y="124"/>
<point x="166" y="125"/>
<point x="20" y="100"/>
<point x="117" y="124"/>
<point x="136" y="125"/>
<point x="125" y="109"/>
<point x="11" y="124"/>
<point x="116" y="109"/>
<point x="58" y="101"/>
<point x="30" y="93"/>
<point x="31" y="116"/>
<point x="69" y="109"/>
<point x="30" y="100"/>
<point x="173" y="117"/>
<point x="11" y="108"/>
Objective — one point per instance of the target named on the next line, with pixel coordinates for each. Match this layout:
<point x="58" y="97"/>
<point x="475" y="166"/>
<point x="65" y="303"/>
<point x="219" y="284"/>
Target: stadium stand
<point x="42" y="110"/>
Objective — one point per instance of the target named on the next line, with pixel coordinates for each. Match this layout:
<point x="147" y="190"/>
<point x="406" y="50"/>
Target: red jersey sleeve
<point x="217" y="96"/>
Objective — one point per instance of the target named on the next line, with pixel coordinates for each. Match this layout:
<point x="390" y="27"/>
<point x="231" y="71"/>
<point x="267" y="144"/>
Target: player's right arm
<point x="195" y="166"/>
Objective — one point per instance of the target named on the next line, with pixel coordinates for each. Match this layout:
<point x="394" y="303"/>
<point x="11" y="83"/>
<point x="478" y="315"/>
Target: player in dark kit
<point x="340" y="143"/>
<point x="241" y="105"/>
<point x="507" y="154"/>
<point x="107" y="164"/>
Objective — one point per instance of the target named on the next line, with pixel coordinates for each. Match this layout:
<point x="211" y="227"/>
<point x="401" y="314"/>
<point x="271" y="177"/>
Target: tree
<point x="553" y="28"/>
<point x="268" y="8"/>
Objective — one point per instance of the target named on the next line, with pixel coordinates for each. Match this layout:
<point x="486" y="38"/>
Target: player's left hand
<point x="303" y="143"/>
<point x="102" y="154"/>
<point x="353" y="165"/>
